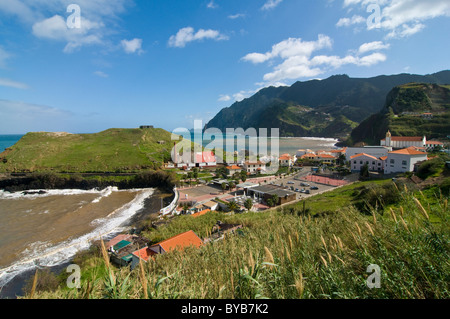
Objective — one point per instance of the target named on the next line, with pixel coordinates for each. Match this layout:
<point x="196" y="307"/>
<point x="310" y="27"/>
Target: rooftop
<point x="408" y="151"/>
<point x="203" y="212"/>
<point x="183" y="240"/>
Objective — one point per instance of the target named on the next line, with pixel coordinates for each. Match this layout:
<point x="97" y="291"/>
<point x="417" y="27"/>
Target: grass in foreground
<point x="286" y="255"/>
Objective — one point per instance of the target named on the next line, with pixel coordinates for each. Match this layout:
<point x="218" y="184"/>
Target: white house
<point x="402" y="161"/>
<point x="253" y="167"/>
<point x="432" y="144"/>
<point x="400" y="142"/>
<point x="375" y="151"/>
<point x="375" y="164"/>
<point x="287" y="160"/>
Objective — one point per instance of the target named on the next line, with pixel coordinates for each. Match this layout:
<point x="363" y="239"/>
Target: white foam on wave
<point x="105" y="193"/>
<point x="42" y="255"/>
<point x="35" y="193"/>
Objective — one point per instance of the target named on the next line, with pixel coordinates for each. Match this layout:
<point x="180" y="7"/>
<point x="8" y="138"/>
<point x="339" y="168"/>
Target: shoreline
<point x="136" y="223"/>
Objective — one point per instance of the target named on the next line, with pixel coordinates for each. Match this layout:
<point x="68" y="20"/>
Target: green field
<point x="113" y="150"/>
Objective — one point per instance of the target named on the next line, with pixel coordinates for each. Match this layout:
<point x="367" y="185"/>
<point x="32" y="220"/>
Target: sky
<point x="83" y="66"/>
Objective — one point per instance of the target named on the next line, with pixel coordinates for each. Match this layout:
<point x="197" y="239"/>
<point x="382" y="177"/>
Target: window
<point x="404" y="163"/>
<point x="392" y="161"/>
<point x="373" y="163"/>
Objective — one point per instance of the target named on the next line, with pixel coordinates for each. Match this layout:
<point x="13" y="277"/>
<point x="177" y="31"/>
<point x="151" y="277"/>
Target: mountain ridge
<point x="345" y="101"/>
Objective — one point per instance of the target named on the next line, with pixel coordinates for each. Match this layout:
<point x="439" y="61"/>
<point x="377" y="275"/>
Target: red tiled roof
<point x="234" y="167"/>
<point x="405" y="139"/>
<point x="144" y="253"/>
<point x="408" y="151"/>
<point x="362" y="154"/>
<point x="203" y="212"/>
<point x="309" y="155"/>
<point x="435" y="143"/>
<point x="383" y="158"/>
<point x="180" y="241"/>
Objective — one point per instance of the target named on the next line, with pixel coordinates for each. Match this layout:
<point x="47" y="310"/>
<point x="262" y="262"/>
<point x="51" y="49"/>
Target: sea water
<point x="8" y="141"/>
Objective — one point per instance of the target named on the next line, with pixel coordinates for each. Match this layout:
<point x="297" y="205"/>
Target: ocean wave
<point x="41" y="254"/>
<point x="39" y="193"/>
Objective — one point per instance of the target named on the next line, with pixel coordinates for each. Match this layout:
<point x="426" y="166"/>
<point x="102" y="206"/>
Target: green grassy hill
<point x="402" y="114"/>
<point x="113" y="150"/>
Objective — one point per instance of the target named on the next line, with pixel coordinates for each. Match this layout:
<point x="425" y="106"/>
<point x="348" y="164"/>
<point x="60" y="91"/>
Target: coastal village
<point x="243" y="187"/>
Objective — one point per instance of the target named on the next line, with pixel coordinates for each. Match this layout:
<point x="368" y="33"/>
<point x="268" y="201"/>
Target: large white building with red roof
<point x="403" y="160"/>
<point x="399" y="142"/>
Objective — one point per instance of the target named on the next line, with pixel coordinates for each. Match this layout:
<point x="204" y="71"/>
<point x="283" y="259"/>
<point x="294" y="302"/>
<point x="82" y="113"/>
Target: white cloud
<point x="292" y="47"/>
<point x="236" y="16"/>
<point x="345" y="22"/>
<point x="400" y="18"/>
<point x="12" y="84"/>
<point x="212" y="5"/>
<point x="224" y="98"/>
<point x="21" y="117"/>
<point x="373" y="46"/>
<point x="298" y="60"/>
<point x="271" y="4"/>
<point x="132" y="46"/>
<point x="55" y="28"/>
<point x="47" y="19"/>
<point x="101" y="74"/>
<point x="188" y="34"/>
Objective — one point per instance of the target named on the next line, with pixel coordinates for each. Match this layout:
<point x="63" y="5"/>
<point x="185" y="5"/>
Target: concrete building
<point x="375" y="151"/>
<point x="402" y="161"/>
<point x="267" y="191"/>
<point x="254" y="167"/>
<point x="375" y="164"/>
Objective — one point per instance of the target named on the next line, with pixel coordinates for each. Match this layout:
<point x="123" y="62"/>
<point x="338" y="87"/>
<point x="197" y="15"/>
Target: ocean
<point x="8" y="141"/>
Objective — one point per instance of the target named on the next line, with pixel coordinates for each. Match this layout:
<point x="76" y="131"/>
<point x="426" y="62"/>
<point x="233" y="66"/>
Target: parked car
<point x="290" y="182"/>
<point x="307" y="191"/>
<point x="297" y="190"/>
<point x="304" y="184"/>
<point x="302" y="190"/>
<point x="314" y="187"/>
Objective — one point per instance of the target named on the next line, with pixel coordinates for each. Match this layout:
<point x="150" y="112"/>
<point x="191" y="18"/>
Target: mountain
<point x="403" y="114"/>
<point x="321" y="108"/>
<point x="113" y="150"/>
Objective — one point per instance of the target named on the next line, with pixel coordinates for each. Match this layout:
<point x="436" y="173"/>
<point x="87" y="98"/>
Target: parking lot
<point x="299" y="184"/>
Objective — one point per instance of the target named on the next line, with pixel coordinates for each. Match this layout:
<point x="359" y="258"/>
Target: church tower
<point x="388" y="139"/>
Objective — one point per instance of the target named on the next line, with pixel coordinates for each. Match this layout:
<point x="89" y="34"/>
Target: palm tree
<point x="232" y="206"/>
<point x="248" y="204"/>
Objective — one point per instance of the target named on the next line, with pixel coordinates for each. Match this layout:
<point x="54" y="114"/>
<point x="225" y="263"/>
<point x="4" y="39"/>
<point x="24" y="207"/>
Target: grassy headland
<point x="113" y="150"/>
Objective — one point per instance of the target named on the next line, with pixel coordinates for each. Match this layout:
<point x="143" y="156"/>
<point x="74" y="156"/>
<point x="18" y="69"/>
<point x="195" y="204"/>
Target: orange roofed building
<point x="180" y="242"/>
<point x="203" y="212"/>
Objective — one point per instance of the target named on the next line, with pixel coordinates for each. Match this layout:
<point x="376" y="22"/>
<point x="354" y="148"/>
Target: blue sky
<point x="167" y="63"/>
